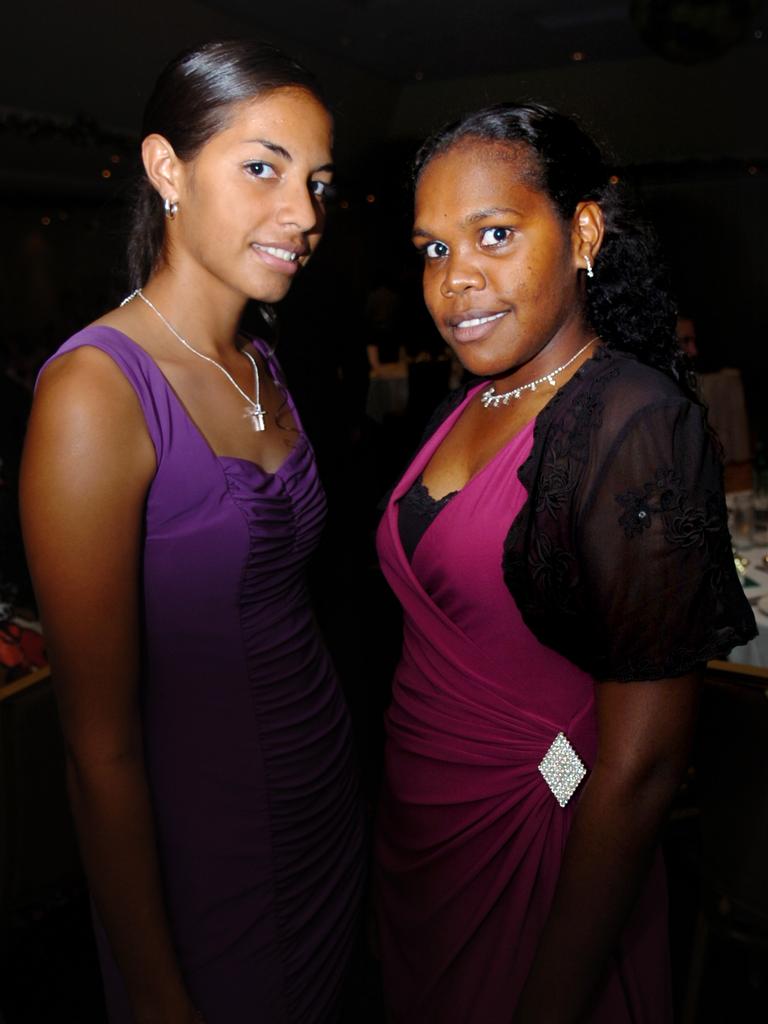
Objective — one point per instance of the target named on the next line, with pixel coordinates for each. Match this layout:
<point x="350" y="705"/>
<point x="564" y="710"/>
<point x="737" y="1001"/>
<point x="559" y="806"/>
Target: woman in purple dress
<point x="559" y="546"/>
<point x="170" y="502"/>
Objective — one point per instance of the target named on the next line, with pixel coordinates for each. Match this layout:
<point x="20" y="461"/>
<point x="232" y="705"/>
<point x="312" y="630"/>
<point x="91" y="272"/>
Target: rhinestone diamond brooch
<point x="562" y="769"/>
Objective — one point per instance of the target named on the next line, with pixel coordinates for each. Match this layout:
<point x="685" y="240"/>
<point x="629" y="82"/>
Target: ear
<point x="588" y="231"/>
<point x="162" y="165"/>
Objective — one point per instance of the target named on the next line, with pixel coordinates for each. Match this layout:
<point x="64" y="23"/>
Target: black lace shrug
<point x="620" y="559"/>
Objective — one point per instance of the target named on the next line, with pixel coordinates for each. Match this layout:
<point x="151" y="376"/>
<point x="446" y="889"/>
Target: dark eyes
<point x="260" y="169"/>
<point x="490" y="238"/>
<point x="495" y="236"/>
<point x="322" y="190"/>
<point x="435" y="250"/>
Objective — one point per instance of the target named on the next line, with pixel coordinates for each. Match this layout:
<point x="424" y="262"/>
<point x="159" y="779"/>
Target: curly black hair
<point x="627" y="302"/>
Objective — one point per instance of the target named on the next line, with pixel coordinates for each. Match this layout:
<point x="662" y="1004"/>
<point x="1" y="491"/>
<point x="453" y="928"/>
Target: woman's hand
<point x="645" y="730"/>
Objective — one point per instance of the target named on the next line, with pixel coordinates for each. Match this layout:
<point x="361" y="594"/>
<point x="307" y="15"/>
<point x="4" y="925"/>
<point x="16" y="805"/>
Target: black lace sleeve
<point x="620" y="560"/>
<point x="657" y="585"/>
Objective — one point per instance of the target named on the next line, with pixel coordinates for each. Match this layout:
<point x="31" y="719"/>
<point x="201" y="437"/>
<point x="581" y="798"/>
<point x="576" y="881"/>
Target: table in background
<point x="755" y="587"/>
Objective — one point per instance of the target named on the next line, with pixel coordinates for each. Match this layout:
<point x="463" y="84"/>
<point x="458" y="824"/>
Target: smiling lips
<point x="284" y="260"/>
<point x="474" y="324"/>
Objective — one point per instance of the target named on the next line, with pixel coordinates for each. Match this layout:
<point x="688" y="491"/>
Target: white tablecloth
<point x="755" y="587"/>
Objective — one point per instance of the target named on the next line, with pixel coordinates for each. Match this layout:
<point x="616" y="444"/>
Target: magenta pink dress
<point x="469" y="836"/>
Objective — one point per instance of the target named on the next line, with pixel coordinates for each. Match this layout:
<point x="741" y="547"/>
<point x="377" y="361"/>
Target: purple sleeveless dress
<point x="469" y="835"/>
<point x="247" y="735"/>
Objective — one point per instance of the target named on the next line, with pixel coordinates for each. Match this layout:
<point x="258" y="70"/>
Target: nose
<point x="461" y="274"/>
<point x="299" y="208"/>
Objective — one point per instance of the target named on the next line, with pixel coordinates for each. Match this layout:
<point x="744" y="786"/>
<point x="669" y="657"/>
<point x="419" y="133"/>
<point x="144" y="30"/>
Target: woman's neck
<point x="205" y="312"/>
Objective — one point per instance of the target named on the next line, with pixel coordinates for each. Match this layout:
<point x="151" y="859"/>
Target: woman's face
<point x="251" y="202"/>
<point x="500" y="264"/>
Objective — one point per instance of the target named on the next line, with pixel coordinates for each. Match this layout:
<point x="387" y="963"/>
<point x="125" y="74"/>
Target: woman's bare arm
<point x="645" y="731"/>
<point x="87" y="465"/>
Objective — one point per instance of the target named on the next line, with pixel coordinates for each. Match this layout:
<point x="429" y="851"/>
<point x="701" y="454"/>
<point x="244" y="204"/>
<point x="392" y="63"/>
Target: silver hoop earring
<point x="171" y="208"/>
<point x="590" y="271"/>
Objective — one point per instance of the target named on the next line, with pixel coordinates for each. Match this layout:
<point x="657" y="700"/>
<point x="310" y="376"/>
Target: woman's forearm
<point x="113" y="814"/>
<point x="607" y="856"/>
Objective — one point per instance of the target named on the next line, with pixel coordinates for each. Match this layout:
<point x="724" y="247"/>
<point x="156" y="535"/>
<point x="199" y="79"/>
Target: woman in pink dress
<point x="559" y="546"/>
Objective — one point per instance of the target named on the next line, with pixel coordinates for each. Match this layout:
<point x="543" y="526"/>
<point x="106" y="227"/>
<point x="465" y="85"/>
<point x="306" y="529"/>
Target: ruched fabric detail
<point x="246" y="734"/>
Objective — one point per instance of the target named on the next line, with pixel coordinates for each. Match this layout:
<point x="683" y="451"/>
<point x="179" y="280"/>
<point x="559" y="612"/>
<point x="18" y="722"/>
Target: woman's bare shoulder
<point x="85" y="361"/>
<point x="83" y="399"/>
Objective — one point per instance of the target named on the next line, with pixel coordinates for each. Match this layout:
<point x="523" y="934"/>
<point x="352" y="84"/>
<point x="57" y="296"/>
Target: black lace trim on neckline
<point x="417" y="510"/>
<point x="421" y="501"/>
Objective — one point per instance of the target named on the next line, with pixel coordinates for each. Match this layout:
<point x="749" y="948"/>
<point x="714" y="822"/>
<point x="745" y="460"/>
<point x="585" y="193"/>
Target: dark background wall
<point x="690" y="133"/>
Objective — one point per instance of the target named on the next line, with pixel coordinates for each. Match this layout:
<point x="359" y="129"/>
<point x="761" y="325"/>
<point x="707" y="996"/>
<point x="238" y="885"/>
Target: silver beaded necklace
<point x="490" y="399"/>
<point x="253" y="409"/>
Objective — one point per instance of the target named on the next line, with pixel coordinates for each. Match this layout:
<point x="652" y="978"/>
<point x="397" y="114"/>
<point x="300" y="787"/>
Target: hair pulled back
<point x="191" y="102"/>
<point x="628" y="301"/>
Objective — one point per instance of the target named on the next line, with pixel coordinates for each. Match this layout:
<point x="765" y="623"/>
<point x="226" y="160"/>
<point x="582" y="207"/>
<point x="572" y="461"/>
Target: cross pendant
<point x="256" y="415"/>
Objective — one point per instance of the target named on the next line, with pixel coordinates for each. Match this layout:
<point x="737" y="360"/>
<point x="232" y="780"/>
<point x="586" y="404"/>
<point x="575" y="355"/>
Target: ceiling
<point x="406" y="39"/>
<point x="100" y="58"/>
<point x="74" y="77"/>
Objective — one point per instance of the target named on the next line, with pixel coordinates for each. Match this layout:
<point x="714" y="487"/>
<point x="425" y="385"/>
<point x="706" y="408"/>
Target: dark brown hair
<point x="191" y="102"/>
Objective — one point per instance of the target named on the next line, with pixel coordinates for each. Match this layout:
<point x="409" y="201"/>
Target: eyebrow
<point x="491" y="211"/>
<point x="473" y="218"/>
<point x="275" y="147"/>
